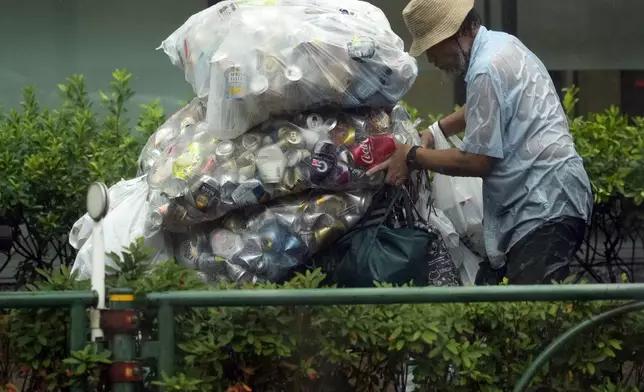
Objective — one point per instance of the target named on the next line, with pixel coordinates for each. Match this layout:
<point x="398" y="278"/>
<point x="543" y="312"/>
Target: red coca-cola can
<point x="373" y="150"/>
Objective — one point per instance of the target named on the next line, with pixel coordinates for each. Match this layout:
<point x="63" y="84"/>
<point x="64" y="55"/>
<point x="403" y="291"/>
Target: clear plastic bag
<point x="461" y="199"/>
<point x="124" y="223"/>
<point x="194" y="112"/>
<point x="204" y="178"/>
<point x="257" y="59"/>
<point x="264" y="243"/>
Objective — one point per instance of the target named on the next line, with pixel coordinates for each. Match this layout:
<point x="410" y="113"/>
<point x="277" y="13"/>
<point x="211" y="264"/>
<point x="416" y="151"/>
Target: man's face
<point x="448" y="57"/>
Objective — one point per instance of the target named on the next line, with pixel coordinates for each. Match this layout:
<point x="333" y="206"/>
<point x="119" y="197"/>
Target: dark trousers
<point x="540" y="257"/>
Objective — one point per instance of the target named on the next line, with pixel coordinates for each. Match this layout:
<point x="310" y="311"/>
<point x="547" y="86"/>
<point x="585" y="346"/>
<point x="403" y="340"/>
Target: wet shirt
<point x="514" y="115"/>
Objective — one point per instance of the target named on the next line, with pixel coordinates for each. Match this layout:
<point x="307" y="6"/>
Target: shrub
<point x="460" y="347"/>
<point x="49" y="157"/>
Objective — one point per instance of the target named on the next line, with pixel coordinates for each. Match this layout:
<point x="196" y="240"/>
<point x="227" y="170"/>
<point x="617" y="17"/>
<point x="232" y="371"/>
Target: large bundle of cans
<point x="295" y="101"/>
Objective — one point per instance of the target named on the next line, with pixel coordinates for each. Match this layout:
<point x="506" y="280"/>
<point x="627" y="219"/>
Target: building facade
<point x="591" y="43"/>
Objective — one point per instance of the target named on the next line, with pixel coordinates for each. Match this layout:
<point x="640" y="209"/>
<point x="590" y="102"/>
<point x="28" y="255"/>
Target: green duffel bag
<point x="396" y="247"/>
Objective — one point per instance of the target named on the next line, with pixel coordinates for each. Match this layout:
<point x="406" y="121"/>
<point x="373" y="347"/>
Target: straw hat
<point x="433" y="21"/>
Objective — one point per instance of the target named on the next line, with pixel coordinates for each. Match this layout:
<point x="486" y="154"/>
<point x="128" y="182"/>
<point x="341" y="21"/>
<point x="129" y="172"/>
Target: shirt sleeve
<point x="484" y="129"/>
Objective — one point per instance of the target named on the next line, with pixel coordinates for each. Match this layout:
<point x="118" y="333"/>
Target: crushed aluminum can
<point x="251" y="142"/>
<point x="343" y="136"/>
<point x="358" y="202"/>
<point x="188" y="121"/>
<point x="350" y="220"/>
<point x="249" y="193"/>
<point x="379" y="122"/>
<point x="272" y="236"/>
<point x="294" y="246"/>
<point x="344" y="155"/>
<point x="225" y="243"/>
<point x="205" y="193"/>
<point x="251" y="254"/>
<point x="402" y="138"/>
<point x="276" y="266"/>
<point x="294" y="139"/>
<point x="237" y="273"/>
<point x="286" y="214"/>
<point x="293" y="157"/>
<point x="326" y="233"/>
<point x="234" y="222"/>
<point x="333" y="205"/>
<point x="147" y="160"/>
<point x="293" y="179"/>
<point x="246" y="165"/>
<point x="224" y="151"/>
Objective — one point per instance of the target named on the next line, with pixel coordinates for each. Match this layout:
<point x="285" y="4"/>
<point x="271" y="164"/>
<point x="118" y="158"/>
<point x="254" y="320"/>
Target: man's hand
<point x="396" y="166"/>
<point x="427" y="139"/>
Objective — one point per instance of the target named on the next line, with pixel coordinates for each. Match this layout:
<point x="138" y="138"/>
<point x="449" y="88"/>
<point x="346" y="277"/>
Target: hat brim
<point x="423" y="44"/>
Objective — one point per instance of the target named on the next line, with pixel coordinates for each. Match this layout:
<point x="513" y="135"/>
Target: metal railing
<point x="120" y="323"/>
<point x="117" y="323"/>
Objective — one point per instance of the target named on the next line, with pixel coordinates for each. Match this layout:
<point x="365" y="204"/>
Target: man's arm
<point x="450" y="126"/>
<point x="454" y="123"/>
<point x="454" y="162"/>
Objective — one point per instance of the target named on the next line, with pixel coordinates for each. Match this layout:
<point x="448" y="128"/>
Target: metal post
<point x="77" y="335"/>
<point x="122" y="344"/>
<point x="97" y="208"/>
<point x="165" y="321"/>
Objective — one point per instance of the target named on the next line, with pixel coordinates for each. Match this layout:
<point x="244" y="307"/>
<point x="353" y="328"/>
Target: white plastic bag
<point x="461" y="198"/>
<point x="466" y="262"/>
<point x="124" y="223"/>
<point x="439" y="220"/>
<point x="82" y="229"/>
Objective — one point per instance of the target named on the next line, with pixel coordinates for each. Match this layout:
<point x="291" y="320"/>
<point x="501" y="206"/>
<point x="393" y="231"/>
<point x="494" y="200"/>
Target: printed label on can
<point x="234" y="83"/>
<point x="227" y="10"/>
<point x="226" y="244"/>
<point x="186" y="163"/>
<point x="206" y="196"/>
<point x="246" y="194"/>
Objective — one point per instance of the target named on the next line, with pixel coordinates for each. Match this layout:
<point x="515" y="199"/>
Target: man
<point x="537" y="195"/>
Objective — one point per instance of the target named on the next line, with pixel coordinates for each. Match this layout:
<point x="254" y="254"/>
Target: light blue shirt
<point x="514" y="114"/>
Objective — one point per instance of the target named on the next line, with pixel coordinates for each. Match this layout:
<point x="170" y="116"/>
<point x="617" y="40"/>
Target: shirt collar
<point x="476" y="45"/>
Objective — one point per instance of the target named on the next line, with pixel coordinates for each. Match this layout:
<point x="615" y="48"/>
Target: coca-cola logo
<point x="367" y="154"/>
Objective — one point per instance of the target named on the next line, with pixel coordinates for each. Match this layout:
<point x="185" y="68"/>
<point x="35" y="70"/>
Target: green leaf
<point x="428" y="337"/>
<point x="81" y="369"/>
<point x="400" y="344"/>
<point x="396" y="333"/>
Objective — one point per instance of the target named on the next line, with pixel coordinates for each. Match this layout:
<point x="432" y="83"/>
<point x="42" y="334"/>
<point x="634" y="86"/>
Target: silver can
<point x="246" y="166"/>
<point x="251" y="142"/>
<point x="401" y="138"/>
<point x="293" y="179"/>
<point x="186" y="122"/>
<point x="225" y="243"/>
<point x="205" y="193"/>
<point x="294" y="157"/>
<point x="293" y="139"/>
<point x="258" y="85"/>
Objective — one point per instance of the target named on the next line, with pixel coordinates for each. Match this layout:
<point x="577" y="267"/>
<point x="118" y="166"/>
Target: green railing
<point x="121" y="324"/>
